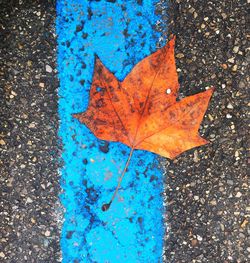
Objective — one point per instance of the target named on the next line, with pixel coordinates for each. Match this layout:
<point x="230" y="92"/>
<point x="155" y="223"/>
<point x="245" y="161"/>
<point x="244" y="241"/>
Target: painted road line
<point x="121" y="33"/>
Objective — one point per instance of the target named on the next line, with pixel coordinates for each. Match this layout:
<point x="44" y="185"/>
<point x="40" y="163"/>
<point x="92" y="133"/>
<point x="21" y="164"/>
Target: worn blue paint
<point x="121" y="34"/>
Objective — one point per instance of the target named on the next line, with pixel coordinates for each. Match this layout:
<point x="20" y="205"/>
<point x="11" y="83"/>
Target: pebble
<point x="224" y="16"/>
<point x="231" y="60"/>
<point x="29" y="200"/>
<point x="41" y="85"/>
<point x="238" y="195"/>
<point x="230" y="106"/>
<point x="2" y="142"/>
<point x="242" y="84"/>
<point x="180" y="55"/>
<point x="236" y="49"/>
<point x="213" y="202"/>
<point x="199" y="238"/>
<point x="224" y="66"/>
<point x="48" y="68"/>
<point x="234" y="68"/>
<point x="32" y="125"/>
<point x="196" y="197"/>
<point x="210" y="117"/>
<point x="47" y="233"/>
<point x="230" y="182"/>
<point x="2" y="255"/>
<point x="196" y="156"/>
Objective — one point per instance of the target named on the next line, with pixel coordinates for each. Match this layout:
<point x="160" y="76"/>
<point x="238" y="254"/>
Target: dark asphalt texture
<point x="207" y="189"/>
<point x="30" y="215"/>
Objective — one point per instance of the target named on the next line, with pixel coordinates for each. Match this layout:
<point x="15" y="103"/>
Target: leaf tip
<point x="97" y="59"/>
<point x="171" y="42"/>
<point x="76" y="115"/>
<point x="210" y="91"/>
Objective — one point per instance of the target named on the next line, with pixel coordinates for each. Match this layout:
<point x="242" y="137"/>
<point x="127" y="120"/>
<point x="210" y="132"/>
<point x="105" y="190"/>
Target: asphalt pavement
<point x="207" y="189"/>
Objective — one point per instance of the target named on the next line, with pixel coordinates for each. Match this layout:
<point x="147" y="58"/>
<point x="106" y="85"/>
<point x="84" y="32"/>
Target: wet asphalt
<point x="207" y="189"/>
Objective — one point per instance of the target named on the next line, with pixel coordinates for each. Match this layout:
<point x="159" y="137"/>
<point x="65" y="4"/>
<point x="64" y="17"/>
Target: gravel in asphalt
<point x="207" y="189"/>
<point x="29" y="209"/>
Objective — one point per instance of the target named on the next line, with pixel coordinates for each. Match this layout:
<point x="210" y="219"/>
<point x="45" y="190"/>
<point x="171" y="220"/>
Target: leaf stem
<point x="106" y="206"/>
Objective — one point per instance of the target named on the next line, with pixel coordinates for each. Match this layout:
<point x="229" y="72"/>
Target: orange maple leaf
<point x="142" y="112"/>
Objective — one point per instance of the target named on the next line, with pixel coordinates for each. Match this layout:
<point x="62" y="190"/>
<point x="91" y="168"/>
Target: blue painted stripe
<point x="121" y="34"/>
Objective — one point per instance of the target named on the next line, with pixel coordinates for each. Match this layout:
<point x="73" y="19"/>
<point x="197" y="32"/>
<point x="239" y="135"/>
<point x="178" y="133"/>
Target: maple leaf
<point x="142" y="111"/>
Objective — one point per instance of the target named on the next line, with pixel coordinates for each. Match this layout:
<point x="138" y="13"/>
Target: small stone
<point x="41" y="85"/>
<point x="224" y="66"/>
<point x="2" y="142"/>
<point x="199" y="238"/>
<point x="196" y="197"/>
<point x="229" y="116"/>
<point x="234" y="68"/>
<point x="238" y="195"/>
<point x="244" y="223"/>
<point x="29" y="200"/>
<point x="47" y="233"/>
<point x="203" y="26"/>
<point x="32" y="125"/>
<point x="242" y="84"/>
<point x="230" y="182"/>
<point x="48" y="68"/>
<point x="231" y="60"/>
<point x="213" y="202"/>
<point x="236" y="49"/>
<point x="2" y="255"/>
<point x="180" y="55"/>
<point x="196" y="157"/>
<point x="230" y="106"/>
<point x="224" y="16"/>
<point x="236" y="154"/>
<point x="210" y="117"/>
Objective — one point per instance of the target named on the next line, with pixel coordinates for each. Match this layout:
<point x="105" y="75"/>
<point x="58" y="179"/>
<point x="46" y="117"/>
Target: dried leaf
<point x="142" y="111"/>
